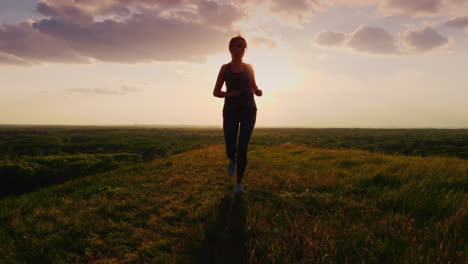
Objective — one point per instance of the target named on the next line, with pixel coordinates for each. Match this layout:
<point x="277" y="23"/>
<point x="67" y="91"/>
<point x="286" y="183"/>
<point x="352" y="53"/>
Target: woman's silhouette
<point x="239" y="107"/>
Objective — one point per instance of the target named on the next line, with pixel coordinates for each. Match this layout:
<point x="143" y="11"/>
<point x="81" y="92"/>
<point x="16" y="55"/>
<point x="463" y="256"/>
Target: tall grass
<point x="301" y="205"/>
<point x="328" y="206"/>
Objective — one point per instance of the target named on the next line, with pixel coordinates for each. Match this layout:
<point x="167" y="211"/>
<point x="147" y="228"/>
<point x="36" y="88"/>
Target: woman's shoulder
<point x="225" y="66"/>
<point x="248" y="65"/>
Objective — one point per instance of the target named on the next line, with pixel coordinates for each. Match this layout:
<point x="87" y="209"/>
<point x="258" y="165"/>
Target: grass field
<point x="301" y="205"/>
<point x="32" y="157"/>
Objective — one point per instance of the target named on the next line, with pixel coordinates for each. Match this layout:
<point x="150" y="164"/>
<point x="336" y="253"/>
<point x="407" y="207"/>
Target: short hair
<point x="238" y="36"/>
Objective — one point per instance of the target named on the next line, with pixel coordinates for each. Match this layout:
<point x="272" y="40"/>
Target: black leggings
<point x="231" y="121"/>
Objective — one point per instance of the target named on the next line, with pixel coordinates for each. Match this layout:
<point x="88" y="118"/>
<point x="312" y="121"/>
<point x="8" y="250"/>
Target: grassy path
<point x="301" y="205"/>
<point x="225" y="240"/>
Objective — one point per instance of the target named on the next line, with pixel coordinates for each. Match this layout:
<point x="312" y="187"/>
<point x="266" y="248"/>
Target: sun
<point x="273" y="69"/>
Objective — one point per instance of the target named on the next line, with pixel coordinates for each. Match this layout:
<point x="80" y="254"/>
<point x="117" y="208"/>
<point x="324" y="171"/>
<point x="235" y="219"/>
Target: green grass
<point x="36" y="156"/>
<point x="30" y="172"/>
<point x="301" y="205"/>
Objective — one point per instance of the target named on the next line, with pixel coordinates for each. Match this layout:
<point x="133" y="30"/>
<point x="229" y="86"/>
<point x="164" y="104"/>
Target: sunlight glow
<point x="273" y="70"/>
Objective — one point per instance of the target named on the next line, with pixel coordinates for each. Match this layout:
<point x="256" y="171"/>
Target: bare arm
<point x="219" y="84"/>
<point x="253" y="83"/>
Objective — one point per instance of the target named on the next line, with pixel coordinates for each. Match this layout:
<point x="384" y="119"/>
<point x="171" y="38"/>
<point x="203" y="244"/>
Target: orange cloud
<point x="330" y="38"/>
<point x="423" y="7"/>
<point x="423" y="40"/>
<point x="459" y="22"/>
<point x="373" y="40"/>
<point x="133" y="31"/>
<point x="28" y="45"/>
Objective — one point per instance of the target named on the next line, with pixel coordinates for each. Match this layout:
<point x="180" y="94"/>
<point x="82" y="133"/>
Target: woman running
<point x="239" y="107"/>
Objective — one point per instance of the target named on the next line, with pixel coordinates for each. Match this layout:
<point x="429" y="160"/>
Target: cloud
<point x="135" y="31"/>
<point x="142" y="38"/>
<point x="459" y="22"/>
<point x="302" y="10"/>
<point x="7" y="59"/>
<point x="124" y="31"/>
<point x="373" y="40"/>
<point x="423" y="40"/>
<point x="28" y="44"/>
<point x="298" y="10"/>
<point x="330" y="38"/>
<point x="64" y="10"/>
<point x="101" y="91"/>
<point x="413" y="7"/>
<point x="389" y="7"/>
<point x="123" y="90"/>
<point x="288" y="12"/>
<point x="219" y="14"/>
<point x="129" y="89"/>
<point x="258" y="41"/>
<point x="422" y="7"/>
<point x="78" y="8"/>
<point x="211" y="11"/>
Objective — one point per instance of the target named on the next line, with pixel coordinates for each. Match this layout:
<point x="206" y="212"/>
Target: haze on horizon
<point x="339" y="63"/>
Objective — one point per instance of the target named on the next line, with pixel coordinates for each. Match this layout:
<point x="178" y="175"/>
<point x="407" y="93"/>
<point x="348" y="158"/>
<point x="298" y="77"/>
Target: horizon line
<point x="219" y="126"/>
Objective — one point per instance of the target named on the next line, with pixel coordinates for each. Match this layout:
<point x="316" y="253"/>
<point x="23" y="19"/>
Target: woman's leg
<point x="230" y="128"/>
<point x="247" y="125"/>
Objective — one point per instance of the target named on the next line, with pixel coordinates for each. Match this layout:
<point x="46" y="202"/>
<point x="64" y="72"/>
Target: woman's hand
<point x="253" y="83"/>
<point x="219" y="93"/>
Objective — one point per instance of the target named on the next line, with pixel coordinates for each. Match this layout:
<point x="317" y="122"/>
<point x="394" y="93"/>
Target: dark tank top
<point x="234" y="81"/>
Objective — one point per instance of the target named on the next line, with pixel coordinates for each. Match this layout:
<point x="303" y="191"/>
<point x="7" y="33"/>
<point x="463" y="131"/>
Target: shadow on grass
<point x="225" y="239"/>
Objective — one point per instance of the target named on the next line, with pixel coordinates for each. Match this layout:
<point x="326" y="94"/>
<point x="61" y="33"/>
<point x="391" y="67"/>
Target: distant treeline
<point x="149" y="143"/>
<point x="412" y="142"/>
<point x="32" y="157"/>
<point x="159" y="142"/>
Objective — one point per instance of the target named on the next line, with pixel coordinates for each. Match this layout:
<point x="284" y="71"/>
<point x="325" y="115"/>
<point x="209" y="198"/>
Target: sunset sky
<point x="335" y="63"/>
